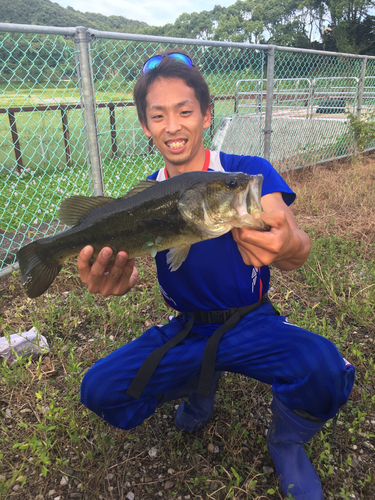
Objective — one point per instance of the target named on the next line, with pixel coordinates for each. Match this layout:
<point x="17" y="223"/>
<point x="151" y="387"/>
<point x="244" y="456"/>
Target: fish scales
<point x="153" y="216"/>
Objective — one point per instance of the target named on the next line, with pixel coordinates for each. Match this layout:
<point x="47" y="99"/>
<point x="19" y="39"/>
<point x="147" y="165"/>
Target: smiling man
<point x="228" y="322"/>
<point x="176" y="125"/>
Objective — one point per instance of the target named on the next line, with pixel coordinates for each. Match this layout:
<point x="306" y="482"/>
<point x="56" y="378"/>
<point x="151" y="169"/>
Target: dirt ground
<point x="42" y="422"/>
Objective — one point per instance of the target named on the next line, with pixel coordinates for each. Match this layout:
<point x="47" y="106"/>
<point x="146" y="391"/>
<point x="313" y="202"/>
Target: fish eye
<point x="232" y="184"/>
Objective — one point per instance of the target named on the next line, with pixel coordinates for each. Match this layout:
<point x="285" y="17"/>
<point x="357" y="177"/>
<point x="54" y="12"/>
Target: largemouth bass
<point x="153" y="216"/>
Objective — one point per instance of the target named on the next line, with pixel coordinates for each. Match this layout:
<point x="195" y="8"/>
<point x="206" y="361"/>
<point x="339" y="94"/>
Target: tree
<point x="44" y="12"/>
<point x="351" y="37"/>
<point x="335" y="25"/>
<point x="340" y="23"/>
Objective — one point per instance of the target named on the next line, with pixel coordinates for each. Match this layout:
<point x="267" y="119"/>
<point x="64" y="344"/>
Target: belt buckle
<point x="221" y="316"/>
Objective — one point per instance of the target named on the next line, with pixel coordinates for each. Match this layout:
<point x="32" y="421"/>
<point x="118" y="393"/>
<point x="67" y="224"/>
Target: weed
<point x="47" y="435"/>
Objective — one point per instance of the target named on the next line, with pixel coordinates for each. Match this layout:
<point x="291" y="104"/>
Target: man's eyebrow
<point x="155" y="107"/>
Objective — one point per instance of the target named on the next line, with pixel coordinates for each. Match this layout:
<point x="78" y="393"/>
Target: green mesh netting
<point x="45" y="152"/>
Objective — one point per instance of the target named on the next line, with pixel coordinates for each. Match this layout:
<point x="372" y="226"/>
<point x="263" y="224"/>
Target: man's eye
<point x="186" y="112"/>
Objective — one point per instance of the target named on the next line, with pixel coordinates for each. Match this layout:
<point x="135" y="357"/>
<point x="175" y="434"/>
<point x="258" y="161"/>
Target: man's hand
<point x="116" y="279"/>
<point x="285" y="246"/>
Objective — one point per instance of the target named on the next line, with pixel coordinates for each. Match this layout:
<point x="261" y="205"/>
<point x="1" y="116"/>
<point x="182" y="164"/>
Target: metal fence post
<point x="48" y="60"/>
<point x="361" y="86"/>
<point x="89" y="109"/>
<point x="269" y="103"/>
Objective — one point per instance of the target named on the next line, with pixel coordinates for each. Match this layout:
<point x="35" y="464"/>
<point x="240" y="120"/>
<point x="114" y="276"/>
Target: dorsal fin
<point x="147" y="183"/>
<point x="73" y="209"/>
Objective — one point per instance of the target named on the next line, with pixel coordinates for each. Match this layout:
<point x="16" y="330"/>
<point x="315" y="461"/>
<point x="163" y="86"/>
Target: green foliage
<point x="45" y="12"/>
<point x="35" y="58"/>
<point x="290" y="23"/>
<point x="351" y="28"/>
<point x="363" y="129"/>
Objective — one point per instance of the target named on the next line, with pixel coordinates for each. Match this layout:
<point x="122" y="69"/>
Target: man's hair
<point x="169" y="68"/>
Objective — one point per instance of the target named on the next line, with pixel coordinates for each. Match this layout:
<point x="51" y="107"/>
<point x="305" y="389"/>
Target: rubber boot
<point x="193" y="415"/>
<point x="285" y="437"/>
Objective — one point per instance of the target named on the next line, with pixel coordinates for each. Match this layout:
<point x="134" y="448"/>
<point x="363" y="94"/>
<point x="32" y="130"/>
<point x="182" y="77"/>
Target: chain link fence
<point x="69" y="125"/>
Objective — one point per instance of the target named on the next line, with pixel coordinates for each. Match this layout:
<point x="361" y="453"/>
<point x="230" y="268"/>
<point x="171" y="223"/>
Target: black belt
<point x="229" y="318"/>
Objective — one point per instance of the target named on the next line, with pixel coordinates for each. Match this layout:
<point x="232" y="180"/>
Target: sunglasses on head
<point x="154" y="61"/>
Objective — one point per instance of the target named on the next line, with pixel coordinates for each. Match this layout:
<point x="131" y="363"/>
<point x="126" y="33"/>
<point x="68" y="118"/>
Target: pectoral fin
<point x="176" y="256"/>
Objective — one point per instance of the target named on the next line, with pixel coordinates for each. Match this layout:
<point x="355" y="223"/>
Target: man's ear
<point x="145" y="129"/>
<point x="207" y="118"/>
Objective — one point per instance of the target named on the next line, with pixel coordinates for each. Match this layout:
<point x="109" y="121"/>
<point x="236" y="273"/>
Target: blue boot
<point x="193" y="415"/>
<point x="285" y="437"/>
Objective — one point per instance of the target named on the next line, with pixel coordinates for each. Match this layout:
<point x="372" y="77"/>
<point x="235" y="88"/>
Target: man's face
<point x="175" y="123"/>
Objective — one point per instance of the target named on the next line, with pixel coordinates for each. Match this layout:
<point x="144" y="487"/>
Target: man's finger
<point x="100" y="265"/>
<point x="85" y="255"/>
<point x="118" y="267"/>
<point x="253" y="236"/>
<point x="83" y="263"/>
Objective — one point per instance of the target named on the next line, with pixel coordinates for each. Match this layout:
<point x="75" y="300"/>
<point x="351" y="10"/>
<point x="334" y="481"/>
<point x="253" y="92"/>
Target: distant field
<point x="41" y="132"/>
<point x="117" y="89"/>
<point x="31" y="197"/>
<point x="41" y="136"/>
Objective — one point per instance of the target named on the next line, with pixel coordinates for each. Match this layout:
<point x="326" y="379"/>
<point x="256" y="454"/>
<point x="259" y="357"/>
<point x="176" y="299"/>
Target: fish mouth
<point x="254" y="195"/>
<point x="247" y="201"/>
<point x="248" y="207"/>
<point x="242" y="201"/>
<point x="176" y="144"/>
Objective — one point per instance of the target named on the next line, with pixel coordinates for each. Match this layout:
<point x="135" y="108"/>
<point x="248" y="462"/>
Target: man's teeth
<point x="176" y="144"/>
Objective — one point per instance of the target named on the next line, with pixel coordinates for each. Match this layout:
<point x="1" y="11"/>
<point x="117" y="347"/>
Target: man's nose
<point x="173" y="124"/>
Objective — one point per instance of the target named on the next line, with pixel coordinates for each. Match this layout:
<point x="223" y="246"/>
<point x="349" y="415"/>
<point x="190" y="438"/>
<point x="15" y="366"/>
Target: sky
<point x="153" y="12"/>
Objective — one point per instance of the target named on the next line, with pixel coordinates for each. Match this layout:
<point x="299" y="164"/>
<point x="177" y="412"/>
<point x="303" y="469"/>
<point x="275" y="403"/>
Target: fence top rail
<point x="321" y="52"/>
<point x="194" y="41"/>
<point x="167" y="39"/>
<point x="45" y="30"/>
<point x="54" y="30"/>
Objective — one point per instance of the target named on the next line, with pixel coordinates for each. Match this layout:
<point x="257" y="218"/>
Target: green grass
<point x="36" y="193"/>
<point x="42" y="144"/>
<point x="29" y="201"/>
<point x="41" y="133"/>
<point x="28" y="198"/>
<point x="49" y="441"/>
<point x="27" y="93"/>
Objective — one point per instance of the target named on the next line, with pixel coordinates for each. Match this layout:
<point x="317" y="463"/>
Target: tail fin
<point x="37" y="274"/>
